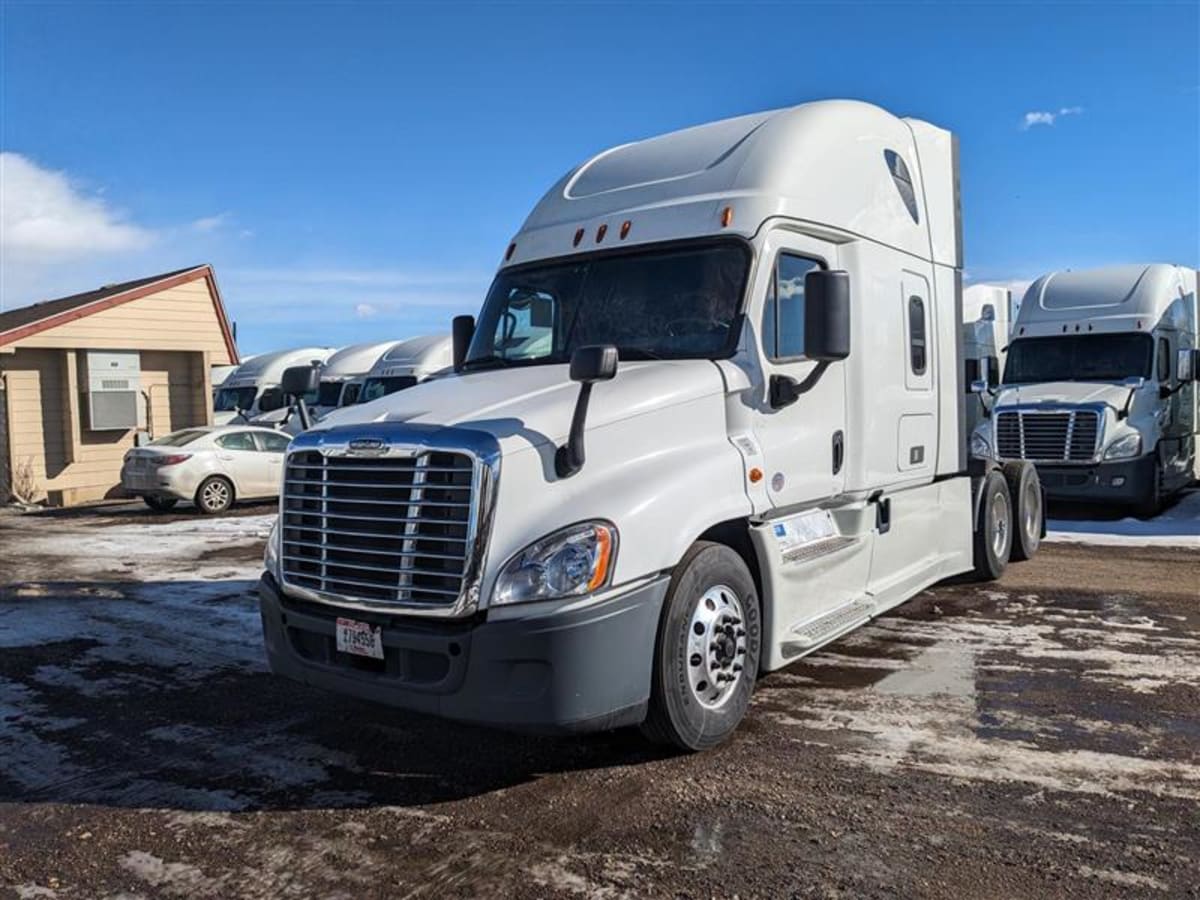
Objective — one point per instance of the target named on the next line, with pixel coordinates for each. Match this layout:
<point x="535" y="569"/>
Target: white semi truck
<point x="1099" y="386"/>
<point x="343" y="374"/>
<point x="406" y="364"/>
<point x="710" y="418"/>
<point x="238" y="398"/>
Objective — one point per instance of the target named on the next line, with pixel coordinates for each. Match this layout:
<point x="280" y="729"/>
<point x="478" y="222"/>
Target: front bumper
<point x="583" y="670"/>
<point x="1121" y="481"/>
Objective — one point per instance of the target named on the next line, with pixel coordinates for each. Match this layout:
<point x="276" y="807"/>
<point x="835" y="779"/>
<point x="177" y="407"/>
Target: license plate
<point x="359" y="638"/>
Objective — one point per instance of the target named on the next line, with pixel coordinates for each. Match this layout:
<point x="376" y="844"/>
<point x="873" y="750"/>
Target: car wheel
<point x="214" y="496"/>
<point x="993" y="531"/>
<point x="160" y="504"/>
<point x="1025" y="491"/>
<point x="707" y="651"/>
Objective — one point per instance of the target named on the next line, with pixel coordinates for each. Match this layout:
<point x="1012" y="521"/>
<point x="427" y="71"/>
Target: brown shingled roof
<point x="26" y="320"/>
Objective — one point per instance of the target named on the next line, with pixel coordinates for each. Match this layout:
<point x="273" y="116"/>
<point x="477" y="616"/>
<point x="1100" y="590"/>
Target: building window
<point x="783" y="317"/>
<point x="917" y="355"/>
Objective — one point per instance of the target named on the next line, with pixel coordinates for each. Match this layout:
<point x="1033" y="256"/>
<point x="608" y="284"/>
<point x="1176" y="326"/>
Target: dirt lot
<point x="1035" y="737"/>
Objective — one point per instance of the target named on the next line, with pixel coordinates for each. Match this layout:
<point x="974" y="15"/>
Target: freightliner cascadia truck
<point x="1099" y="387"/>
<point x="709" y="419"/>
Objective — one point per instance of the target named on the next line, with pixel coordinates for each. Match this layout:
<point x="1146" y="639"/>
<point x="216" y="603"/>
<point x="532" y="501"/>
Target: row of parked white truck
<point x="718" y="409"/>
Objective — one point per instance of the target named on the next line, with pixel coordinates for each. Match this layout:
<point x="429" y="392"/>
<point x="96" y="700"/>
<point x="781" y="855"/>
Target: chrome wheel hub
<point x="1000" y="520"/>
<point x="716" y="646"/>
<point x="215" y="495"/>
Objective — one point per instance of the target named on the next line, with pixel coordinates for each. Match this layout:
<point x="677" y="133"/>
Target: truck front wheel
<point x="706" y="655"/>
<point x="993" y="531"/>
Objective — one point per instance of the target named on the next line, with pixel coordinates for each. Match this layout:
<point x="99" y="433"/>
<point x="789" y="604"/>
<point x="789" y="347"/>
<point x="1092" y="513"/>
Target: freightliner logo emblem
<point x="367" y="447"/>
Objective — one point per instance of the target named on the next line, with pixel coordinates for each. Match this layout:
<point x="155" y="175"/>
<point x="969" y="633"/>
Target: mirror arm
<point x="1123" y="412"/>
<point x="569" y="458"/>
<point x="784" y="390"/>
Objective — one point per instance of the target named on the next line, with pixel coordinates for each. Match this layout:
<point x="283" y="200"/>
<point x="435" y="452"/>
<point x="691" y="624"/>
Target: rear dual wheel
<point x="1010" y="519"/>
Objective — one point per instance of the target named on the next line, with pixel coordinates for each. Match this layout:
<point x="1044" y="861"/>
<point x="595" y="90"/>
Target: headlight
<point x="1124" y="447"/>
<point x="981" y="448"/>
<point x="568" y="563"/>
<point x="271" y="553"/>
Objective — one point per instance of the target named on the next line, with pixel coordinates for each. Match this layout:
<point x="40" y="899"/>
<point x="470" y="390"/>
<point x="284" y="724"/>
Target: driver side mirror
<point x="826" y="315"/>
<point x="462" y="330"/>
<point x="595" y="363"/>
<point x="271" y="400"/>
<point x="299" y="380"/>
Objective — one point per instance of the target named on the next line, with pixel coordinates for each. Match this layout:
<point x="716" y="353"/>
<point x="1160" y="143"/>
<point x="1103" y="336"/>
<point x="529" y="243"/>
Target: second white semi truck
<point x="1099" y="386"/>
<point x="709" y="419"/>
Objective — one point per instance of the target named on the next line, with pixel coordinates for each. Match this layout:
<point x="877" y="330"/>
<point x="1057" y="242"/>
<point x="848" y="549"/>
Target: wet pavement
<point x="1039" y="736"/>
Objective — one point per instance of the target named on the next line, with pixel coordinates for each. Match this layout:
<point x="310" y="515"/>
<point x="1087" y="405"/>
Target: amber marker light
<point x="578" y="237"/>
<point x="603" y="557"/>
<point x="625" y="226"/>
<point x="756" y="475"/>
<point x="727" y="217"/>
<point x="512" y="248"/>
<point x="601" y="232"/>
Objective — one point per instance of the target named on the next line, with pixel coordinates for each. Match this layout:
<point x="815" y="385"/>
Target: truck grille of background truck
<point x="1058" y="436"/>
<point x="388" y="530"/>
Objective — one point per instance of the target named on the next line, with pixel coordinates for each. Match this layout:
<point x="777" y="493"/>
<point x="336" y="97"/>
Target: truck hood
<point x="1067" y="393"/>
<point x="531" y="405"/>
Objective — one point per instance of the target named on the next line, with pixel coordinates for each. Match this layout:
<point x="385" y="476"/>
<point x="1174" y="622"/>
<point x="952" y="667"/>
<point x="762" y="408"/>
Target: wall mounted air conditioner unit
<point x="112" y="381"/>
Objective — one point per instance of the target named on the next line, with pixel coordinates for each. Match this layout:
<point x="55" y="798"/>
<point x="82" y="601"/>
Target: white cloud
<point x="44" y="217"/>
<point x="210" y="223"/>
<point x="1041" y="117"/>
<point x="364" y="310"/>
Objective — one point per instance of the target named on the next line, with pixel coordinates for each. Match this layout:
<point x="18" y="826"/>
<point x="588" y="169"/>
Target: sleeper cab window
<point x="1164" y="360"/>
<point x="916" y="335"/>
<point x="783" y="313"/>
<point x="903" y="181"/>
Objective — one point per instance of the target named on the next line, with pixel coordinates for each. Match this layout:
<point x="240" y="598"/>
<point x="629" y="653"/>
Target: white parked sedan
<point x="210" y="466"/>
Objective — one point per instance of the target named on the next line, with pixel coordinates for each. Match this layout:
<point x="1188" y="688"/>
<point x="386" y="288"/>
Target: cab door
<point x="804" y="443"/>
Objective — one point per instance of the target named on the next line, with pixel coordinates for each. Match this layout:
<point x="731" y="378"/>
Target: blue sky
<point x="354" y="171"/>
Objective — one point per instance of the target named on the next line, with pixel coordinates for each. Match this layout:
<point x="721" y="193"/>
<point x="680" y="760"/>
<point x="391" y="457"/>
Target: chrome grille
<point x="1067" y="435"/>
<point x="382" y="530"/>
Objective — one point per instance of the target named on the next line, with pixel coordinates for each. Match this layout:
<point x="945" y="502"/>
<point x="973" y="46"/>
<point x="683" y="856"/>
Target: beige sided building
<point x="81" y="375"/>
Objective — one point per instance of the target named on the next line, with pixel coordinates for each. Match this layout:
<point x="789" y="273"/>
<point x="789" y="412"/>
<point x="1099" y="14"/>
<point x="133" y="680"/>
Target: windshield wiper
<point x="489" y="361"/>
<point x="636" y="353"/>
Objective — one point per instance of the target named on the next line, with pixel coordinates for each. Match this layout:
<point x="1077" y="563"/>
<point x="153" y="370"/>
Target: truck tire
<point x="160" y="504"/>
<point x="1025" y="491"/>
<point x="993" y="531"/>
<point x="707" y="651"/>
<point x="214" y="496"/>
<point x="1151" y="503"/>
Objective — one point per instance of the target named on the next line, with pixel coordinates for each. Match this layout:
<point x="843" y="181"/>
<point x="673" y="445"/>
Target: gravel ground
<point x="1035" y="737"/>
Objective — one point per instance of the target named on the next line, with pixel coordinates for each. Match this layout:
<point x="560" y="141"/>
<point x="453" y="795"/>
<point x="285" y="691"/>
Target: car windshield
<point x="1078" y="357"/>
<point x="178" y="438"/>
<point x="329" y="393"/>
<point x="678" y="303"/>
<point x="374" y="388"/>
<point x="231" y="399"/>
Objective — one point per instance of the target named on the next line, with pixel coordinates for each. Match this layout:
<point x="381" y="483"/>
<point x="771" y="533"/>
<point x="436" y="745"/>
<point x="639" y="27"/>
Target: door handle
<point x="839" y="451"/>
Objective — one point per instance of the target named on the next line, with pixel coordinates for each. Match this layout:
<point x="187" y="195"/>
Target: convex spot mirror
<point x="826" y="315"/>
<point x="271" y="400"/>
<point x="300" y="380"/>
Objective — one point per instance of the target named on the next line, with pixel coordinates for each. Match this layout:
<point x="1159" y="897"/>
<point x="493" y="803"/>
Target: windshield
<point x="681" y="303"/>
<point x="178" y="438"/>
<point x="230" y="399"/>
<point x="329" y="393"/>
<point x="374" y="388"/>
<point x="1078" y="357"/>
